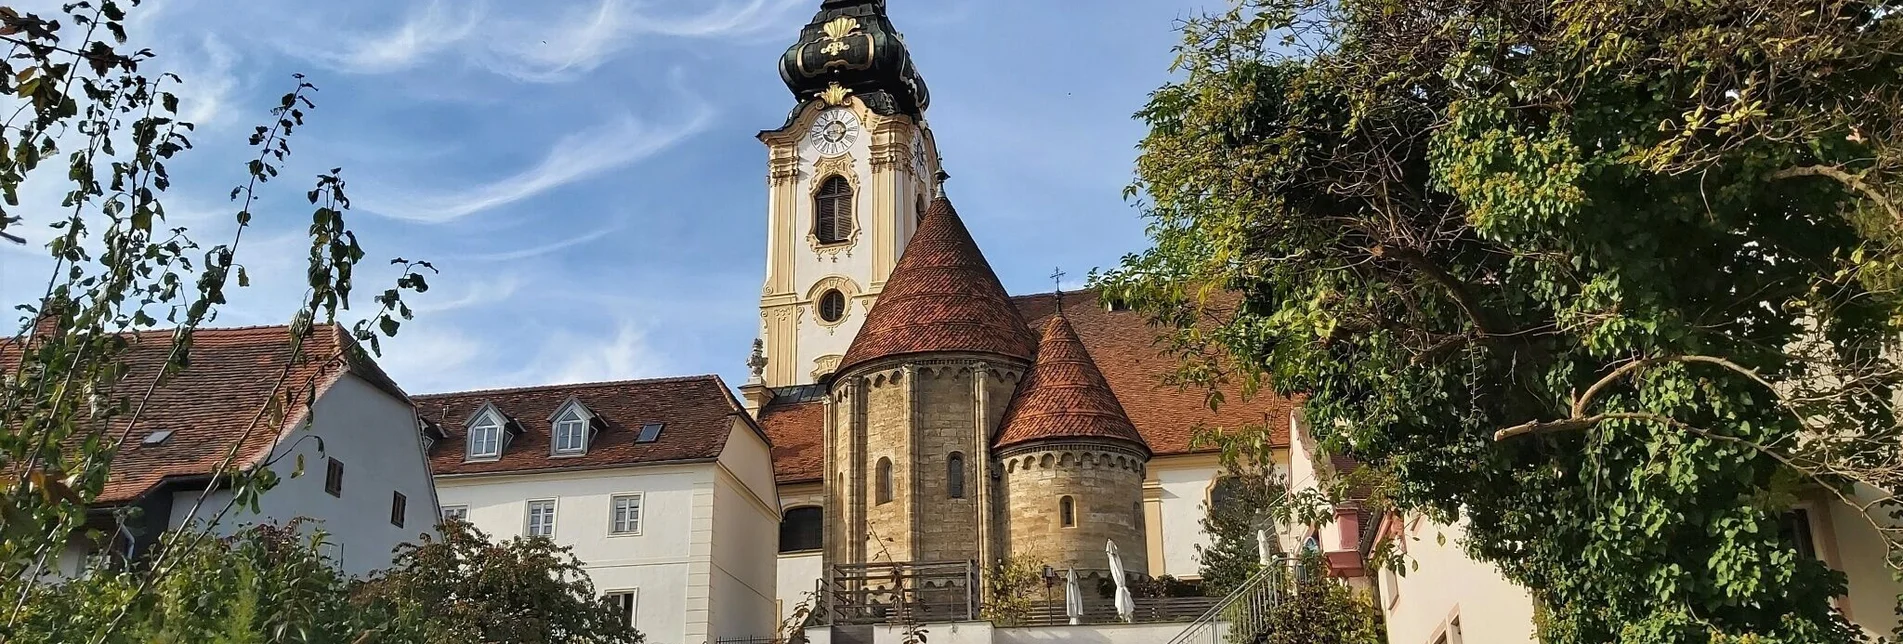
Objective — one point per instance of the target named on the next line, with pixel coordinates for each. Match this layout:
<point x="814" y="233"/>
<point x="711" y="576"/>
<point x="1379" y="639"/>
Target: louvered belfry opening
<point x="832" y="211"/>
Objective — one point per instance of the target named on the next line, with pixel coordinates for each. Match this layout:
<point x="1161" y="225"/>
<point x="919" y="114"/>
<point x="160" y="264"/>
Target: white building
<point x="1447" y="597"/>
<point x="364" y="479"/>
<point x="663" y="489"/>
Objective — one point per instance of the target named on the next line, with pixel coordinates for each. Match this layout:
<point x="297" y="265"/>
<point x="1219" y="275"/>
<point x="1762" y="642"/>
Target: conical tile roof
<point x="941" y="297"/>
<point x="1065" y="397"/>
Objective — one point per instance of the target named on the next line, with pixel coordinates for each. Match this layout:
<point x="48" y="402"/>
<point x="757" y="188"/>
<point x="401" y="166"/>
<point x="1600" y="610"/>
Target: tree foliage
<point x="274" y="584"/>
<point x="1612" y="281"/>
<point x="87" y="109"/>
<point x="466" y="587"/>
<point x="1322" y="610"/>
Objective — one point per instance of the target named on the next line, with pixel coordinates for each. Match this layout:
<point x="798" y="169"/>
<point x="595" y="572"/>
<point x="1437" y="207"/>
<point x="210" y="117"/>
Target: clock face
<point x="834" y="132"/>
<point x="919" y="166"/>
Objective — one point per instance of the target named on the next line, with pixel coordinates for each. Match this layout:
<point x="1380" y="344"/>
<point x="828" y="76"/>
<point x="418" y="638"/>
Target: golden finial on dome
<point x="834" y="94"/>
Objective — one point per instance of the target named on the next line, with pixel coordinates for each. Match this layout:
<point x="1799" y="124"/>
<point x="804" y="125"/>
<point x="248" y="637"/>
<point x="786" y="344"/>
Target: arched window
<point x="1067" y="512"/>
<point x="955" y="475"/>
<point x="1225" y="494"/>
<point x="921" y="208"/>
<point x="832" y="305"/>
<point x="884" y="484"/>
<point x="802" y="529"/>
<point x="832" y="211"/>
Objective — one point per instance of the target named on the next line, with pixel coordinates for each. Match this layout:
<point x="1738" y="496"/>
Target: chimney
<point x="51" y="317"/>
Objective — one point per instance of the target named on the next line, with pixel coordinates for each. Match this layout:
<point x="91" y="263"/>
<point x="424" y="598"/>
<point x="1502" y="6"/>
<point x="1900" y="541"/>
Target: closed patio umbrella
<point x="1126" y="607"/>
<point x="1073" y="598"/>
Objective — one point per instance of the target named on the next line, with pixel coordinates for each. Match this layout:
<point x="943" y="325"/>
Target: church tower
<point x="850" y="173"/>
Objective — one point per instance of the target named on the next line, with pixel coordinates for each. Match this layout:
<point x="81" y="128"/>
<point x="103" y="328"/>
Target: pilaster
<point x="912" y="465"/>
<point x="981" y="459"/>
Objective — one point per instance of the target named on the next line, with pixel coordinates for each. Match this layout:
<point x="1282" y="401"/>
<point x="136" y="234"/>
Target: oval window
<point x="832" y="306"/>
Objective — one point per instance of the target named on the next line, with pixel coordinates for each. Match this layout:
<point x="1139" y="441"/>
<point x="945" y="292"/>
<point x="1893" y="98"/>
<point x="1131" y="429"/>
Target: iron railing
<point x="1243" y="616"/>
<point x="897" y="593"/>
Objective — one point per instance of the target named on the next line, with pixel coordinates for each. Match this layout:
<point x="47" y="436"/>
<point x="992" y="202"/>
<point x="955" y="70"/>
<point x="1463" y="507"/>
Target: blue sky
<point x="585" y="173"/>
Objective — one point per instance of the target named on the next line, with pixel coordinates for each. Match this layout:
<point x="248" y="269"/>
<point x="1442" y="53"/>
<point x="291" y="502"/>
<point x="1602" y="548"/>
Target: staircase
<point x="1243" y="616"/>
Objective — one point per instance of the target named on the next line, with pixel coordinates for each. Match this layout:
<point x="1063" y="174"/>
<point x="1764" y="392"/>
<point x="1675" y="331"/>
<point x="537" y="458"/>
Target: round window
<point x="832" y="306"/>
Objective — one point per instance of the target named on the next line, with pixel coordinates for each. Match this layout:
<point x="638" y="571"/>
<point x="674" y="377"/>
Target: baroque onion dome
<point x="1065" y="397"/>
<point x="942" y="297"/>
<point x="851" y="45"/>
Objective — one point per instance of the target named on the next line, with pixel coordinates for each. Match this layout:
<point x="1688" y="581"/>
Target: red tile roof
<point x="218" y="401"/>
<point x="1064" y="396"/>
<point x="798" y="452"/>
<point x="1123" y="344"/>
<point x="942" y="297"/>
<point x="697" y="412"/>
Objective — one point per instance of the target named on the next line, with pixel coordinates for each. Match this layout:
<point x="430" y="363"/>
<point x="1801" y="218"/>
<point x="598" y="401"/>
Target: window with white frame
<point x="542" y="519"/>
<point x="622" y="603"/>
<point x="456" y="513"/>
<point x="627" y="514"/>
<point x="485" y="438"/>
<point x="571" y="433"/>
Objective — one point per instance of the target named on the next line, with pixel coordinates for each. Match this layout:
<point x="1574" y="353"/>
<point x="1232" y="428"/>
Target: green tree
<point x="1322" y="610"/>
<point x="94" y="114"/>
<point x="465" y="587"/>
<point x="263" y="584"/>
<point x="1612" y="281"/>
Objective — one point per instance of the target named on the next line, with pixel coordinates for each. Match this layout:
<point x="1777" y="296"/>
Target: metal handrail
<point x="1250" y="603"/>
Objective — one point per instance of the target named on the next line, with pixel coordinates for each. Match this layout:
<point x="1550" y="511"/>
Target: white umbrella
<point x="1126" y="607"/>
<point x="1073" y="598"/>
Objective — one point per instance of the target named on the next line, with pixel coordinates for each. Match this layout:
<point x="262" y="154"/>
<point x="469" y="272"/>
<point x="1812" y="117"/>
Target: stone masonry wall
<point x="1106" y="485"/>
<point x="947" y="527"/>
<point x="888" y="431"/>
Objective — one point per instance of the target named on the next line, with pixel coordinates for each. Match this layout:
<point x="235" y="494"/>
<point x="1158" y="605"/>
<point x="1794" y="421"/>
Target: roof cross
<point x="1057" y="277"/>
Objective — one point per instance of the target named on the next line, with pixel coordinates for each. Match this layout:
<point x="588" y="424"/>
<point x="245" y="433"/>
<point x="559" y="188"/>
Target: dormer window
<point x="485" y="437"/>
<point x="571" y="434"/>
<point x="571" y="426"/>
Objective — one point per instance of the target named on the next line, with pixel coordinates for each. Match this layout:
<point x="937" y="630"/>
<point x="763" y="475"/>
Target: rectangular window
<point x="1390" y="583"/>
<point x="542" y="519"/>
<point x="571" y="436"/>
<point x="1796" y="529"/>
<point x="334" y="478"/>
<point x="456" y="513"/>
<point x="485" y="439"/>
<point x="622" y="603"/>
<point x="399" y="506"/>
<point x="649" y="433"/>
<point x="627" y="514"/>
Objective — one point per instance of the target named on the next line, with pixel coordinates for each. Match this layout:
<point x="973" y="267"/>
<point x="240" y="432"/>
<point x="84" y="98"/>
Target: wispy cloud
<point x="433" y="359"/>
<point x="426" y="32"/>
<point x="568" y="357"/>
<point x="573" y="158"/>
<point x="544" y="249"/>
<point x="543" y="44"/>
<point x="490" y="289"/>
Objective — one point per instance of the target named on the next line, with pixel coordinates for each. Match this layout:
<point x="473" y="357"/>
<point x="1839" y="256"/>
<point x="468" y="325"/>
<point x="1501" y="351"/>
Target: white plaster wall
<point x="1185" y="489"/>
<point x="947" y="633"/>
<point x="374" y="435"/>
<point x="654" y="563"/>
<point x="816" y="340"/>
<point x="1447" y="585"/>
<point x="1860" y="553"/>
<point x="1097" y="634"/>
<point x="745" y="566"/>
<point x="798" y="574"/>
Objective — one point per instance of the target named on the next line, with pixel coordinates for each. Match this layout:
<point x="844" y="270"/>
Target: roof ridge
<point x="603" y="383"/>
